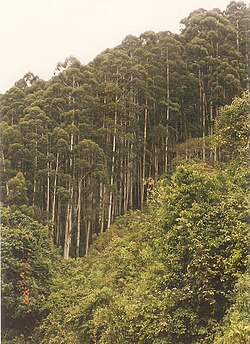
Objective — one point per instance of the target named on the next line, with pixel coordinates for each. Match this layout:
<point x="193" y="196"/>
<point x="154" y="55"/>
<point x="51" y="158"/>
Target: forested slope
<point x="176" y="272"/>
<point x="81" y="146"/>
<point x="136" y="164"/>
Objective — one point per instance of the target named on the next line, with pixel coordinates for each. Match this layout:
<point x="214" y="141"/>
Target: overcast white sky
<point x="37" y="34"/>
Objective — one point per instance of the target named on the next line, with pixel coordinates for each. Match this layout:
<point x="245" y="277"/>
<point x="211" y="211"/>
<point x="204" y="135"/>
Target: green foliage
<point x="236" y="327"/>
<point x="86" y="140"/>
<point x="164" y="276"/>
<point x="27" y="256"/>
<point x="17" y="190"/>
<point x="233" y="129"/>
<point x="86" y="147"/>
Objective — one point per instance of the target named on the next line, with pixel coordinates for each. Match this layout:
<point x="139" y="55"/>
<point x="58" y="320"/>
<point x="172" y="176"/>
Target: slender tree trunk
<point x="156" y="162"/>
<point x="248" y="58"/>
<point x="126" y="184"/>
<point x="68" y="227"/>
<point x="54" y="188"/>
<point x="102" y="211"/>
<point x="78" y="218"/>
<point x="143" y="175"/>
<point x="185" y="134"/>
<point x="237" y="35"/>
<point x="111" y="193"/>
<point x="58" y="224"/>
<point x="215" y="148"/>
<point x="203" y="110"/>
<point x="4" y="169"/>
<point x="204" y="127"/>
<point x="48" y="190"/>
<point x="34" y="189"/>
<point x="34" y="183"/>
<point x="67" y="235"/>
<point x="167" y="115"/>
<point x="88" y="228"/>
<point x="130" y="190"/>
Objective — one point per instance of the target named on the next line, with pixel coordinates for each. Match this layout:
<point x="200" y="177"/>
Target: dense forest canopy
<point x="136" y="163"/>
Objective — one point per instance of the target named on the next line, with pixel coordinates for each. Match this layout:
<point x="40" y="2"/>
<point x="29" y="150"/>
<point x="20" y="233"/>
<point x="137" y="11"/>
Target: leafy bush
<point x="236" y="326"/>
<point x="27" y="259"/>
<point x="168" y="278"/>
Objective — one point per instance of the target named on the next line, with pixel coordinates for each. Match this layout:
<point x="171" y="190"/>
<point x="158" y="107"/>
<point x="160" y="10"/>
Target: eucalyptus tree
<point x="239" y="15"/>
<point x="90" y="170"/>
<point x="69" y="80"/>
<point x="172" y="87"/>
<point x="116" y="131"/>
<point x="34" y="129"/>
<point x="148" y="53"/>
<point x="60" y="151"/>
<point x="214" y="61"/>
<point x="12" y="105"/>
<point x="142" y="103"/>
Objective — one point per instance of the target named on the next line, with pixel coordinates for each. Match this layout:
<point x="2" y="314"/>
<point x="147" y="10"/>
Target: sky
<point x="37" y="34"/>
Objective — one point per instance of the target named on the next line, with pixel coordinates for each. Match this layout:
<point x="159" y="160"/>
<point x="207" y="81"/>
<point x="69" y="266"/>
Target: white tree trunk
<point x="111" y="193"/>
<point x="144" y="154"/>
<point x="48" y="190"/>
<point x="167" y="114"/>
<point x="54" y="189"/>
<point x="68" y="227"/>
<point x="78" y="218"/>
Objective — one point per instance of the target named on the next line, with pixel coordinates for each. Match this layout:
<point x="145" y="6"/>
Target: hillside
<point x="124" y="187"/>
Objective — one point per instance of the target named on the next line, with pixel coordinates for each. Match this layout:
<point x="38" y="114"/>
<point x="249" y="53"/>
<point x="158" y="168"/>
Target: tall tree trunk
<point x="67" y="235"/>
<point x="203" y="127"/>
<point x="215" y="148"/>
<point x="48" y="190"/>
<point x="143" y="174"/>
<point x="111" y="193"/>
<point x="130" y="178"/>
<point x="102" y="207"/>
<point x="167" y="114"/>
<point x="248" y="57"/>
<point x="237" y="35"/>
<point x="78" y="235"/>
<point x="211" y="126"/>
<point x="203" y="111"/>
<point x="156" y="163"/>
<point x="58" y="224"/>
<point x="54" y="189"/>
<point x="68" y="226"/>
<point x="88" y="228"/>
<point x="4" y="169"/>
<point x="34" y="181"/>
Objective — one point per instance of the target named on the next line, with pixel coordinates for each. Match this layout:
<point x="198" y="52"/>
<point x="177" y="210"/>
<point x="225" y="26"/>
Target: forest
<point x="124" y="182"/>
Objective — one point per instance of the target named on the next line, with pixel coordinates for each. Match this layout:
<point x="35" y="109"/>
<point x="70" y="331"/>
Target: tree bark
<point x="111" y="193"/>
<point x="68" y="226"/>
<point x="143" y="175"/>
<point x="4" y="169"/>
<point x="78" y="218"/>
<point x="167" y="115"/>
<point x="48" y="191"/>
<point x="54" y="189"/>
